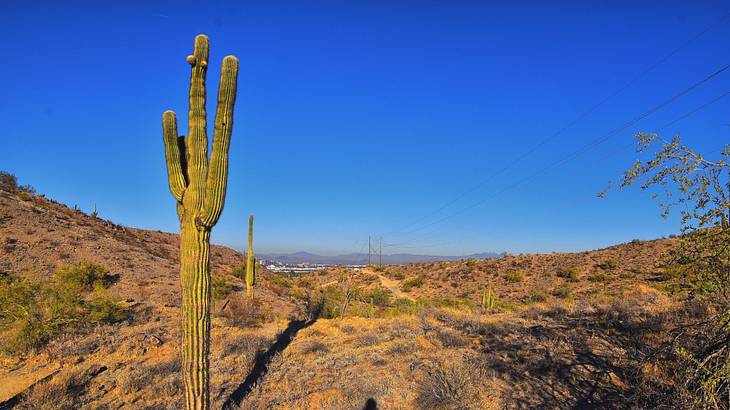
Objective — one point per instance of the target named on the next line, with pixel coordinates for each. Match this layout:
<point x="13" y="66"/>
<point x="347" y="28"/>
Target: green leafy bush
<point x="332" y="299"/>
<point x="102" y="308"/>
<point x="221" y="287"/>
<point x="377" y="296"/>
<point x="33" y="313"/>
<point x="411" y="283"/>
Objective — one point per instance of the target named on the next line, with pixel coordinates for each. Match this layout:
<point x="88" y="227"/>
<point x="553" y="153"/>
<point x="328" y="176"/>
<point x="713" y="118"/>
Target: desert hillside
<point x="564" y="330"/>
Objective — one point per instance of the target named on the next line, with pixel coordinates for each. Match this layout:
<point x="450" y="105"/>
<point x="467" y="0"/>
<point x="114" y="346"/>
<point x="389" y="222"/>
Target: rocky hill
<point x="567" y="330"/>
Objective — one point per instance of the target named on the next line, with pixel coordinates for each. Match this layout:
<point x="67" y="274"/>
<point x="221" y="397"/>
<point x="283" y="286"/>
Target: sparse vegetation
<point x="701" y="187"/>
<point x="9" y="182"/>
<point x="411" y="283"/>
<point x="221" y="286"/>
<point x="34" y="312"/>
<point x="606" y="264"/>
<point x="569" y="274"/>
<point x="564" y="291"/>
<point x="515" y="276"/>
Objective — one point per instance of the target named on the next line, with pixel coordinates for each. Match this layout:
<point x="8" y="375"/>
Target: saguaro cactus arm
<point x="174" y="158"/>
<point x="197" y="141"/>
<point x="215" y="191"/>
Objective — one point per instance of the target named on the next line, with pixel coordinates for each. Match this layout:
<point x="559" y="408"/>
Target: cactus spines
<point x="250" y="260"/>
<point x="488" y="298"/>
<point x="199" y="186"/>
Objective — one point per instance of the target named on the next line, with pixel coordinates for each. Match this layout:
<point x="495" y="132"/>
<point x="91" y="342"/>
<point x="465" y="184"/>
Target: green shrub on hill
<point x="33" y="313"/>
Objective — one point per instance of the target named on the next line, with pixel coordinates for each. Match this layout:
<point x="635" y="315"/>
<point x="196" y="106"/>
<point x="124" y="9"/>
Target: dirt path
<point x="390" y="284"/>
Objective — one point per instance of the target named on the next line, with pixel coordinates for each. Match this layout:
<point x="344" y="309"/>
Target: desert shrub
<point x="8" y="181"/>
<point x="280" y="280"/>
<point x="506" y="306"/>
<point x="399" y="276"/>
<point x="221" y="286"/>
<point x="515" y="276"/>
<point x="242" y="311"/>
<point x="471" y="262"/>
<point x="700" y="187"/>
<point x="450" y="338"/>
<point x="333" y="298"/>
<point x="404" y="306"/>
<point x="411" y="283"/>
<point x="400" y="348"/>
<point x="80" y="277"/>
<point x="239" y="271"/>
<point x="304" y="282"/>
<point x="563" y="291"/>
<point x="606" y="264"/>
<point x="569" y="274"/>
<point x="536" y="296"/>
<point x="599" y="277"/>
<point x="103" y="308"/>
<point x="33" y="313"/>
<point x="377" y="296"/>
<point x="315" y="346"/>
<point x="450" y="384"/>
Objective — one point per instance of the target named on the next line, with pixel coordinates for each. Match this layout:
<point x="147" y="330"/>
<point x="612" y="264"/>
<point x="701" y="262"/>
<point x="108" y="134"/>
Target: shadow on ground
<point x="261" y="365"/>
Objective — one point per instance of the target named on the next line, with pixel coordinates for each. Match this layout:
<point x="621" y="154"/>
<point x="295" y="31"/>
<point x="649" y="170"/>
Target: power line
<point x="589" y="146"/>
<point x="576" y="120"/>
<point x="592" y="144"/>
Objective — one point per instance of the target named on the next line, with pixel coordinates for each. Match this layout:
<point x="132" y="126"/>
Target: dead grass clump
<point x="449" y="338"/>
<point x="315" y="346"/>
<point x="400" y="348"/>
<point x="55" y="390"/>
<point x="450" y="384"/>
<point x="242" y="311"/>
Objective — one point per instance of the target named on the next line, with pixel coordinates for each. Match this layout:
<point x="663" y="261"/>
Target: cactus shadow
<point x="263" y="359"/>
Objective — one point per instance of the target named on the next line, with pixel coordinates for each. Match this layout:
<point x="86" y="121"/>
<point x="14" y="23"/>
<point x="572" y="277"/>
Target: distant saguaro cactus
<point x="250" y="260"/>
<point x="198" y="184"/>
<point x="488" y="298"/>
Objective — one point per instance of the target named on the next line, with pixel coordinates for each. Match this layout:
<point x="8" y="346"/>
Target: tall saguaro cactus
<point x="250" y="260"/>
<point x="198" y="184"/>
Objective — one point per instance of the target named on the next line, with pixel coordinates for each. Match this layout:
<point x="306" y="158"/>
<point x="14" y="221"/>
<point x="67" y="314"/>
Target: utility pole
<point x="369" y="248"/>
<point x="381" y="251"/>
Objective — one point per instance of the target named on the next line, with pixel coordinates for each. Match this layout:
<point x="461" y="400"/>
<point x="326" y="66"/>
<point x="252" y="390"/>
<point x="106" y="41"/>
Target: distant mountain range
<point x="362" y="258"/>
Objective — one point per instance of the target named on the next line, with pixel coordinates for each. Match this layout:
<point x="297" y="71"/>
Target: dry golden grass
<point x="574" y="331"/>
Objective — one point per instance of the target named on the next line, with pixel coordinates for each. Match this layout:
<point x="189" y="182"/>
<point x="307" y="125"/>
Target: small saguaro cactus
<point x="250" y="260"/>
<point x="198" y="184"/>
<point x="488" y="298"/>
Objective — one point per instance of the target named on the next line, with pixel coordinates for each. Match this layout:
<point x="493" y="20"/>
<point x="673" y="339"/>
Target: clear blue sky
<point x="357" y="119"/>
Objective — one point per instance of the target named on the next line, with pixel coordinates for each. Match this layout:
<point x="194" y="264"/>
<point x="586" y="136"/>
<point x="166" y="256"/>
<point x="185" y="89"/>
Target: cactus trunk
<point x="250" y="260"/>
<point x="196" y="301"/>
<point x="198" y="184"/>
